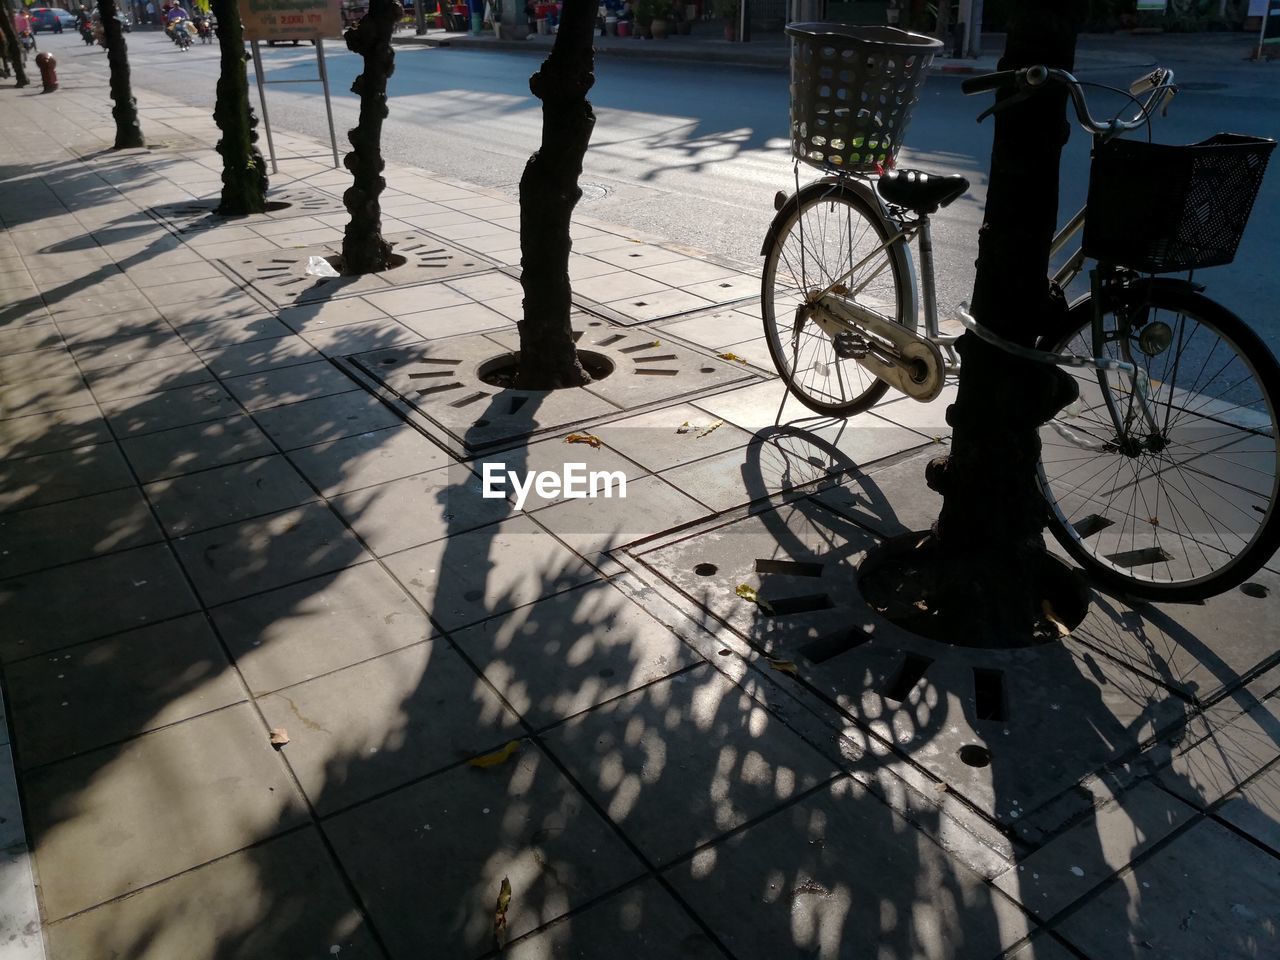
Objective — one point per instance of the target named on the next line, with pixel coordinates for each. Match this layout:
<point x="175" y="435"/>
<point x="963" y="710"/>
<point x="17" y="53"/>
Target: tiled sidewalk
<point x="212" y="530"/>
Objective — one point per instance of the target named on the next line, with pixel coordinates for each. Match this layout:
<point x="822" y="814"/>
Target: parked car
<point x="42" y="18"/>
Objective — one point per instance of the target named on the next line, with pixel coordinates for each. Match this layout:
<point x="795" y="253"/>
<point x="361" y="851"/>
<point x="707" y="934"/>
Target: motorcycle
<point x="204" y="28"/>
<point x="86" y="34"/>
<point x="180" y="32"/>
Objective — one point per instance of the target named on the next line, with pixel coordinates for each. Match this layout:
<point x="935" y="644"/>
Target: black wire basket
<point x="852" y="90"/>
<point x="1160" y="208"/>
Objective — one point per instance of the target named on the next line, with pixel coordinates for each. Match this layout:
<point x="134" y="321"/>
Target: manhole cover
<point x="441" y="382"/>
<point x="281" y="276"/>
<point x="1011" y="731"/>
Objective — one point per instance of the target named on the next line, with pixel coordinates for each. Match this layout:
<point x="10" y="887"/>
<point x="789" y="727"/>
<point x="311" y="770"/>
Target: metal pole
<point x="975" y="30"/>
<point x="328" y="107"/>
<point x="262" y="98"/>
<point x="1262" y="30"/>
<point x="420" y="13"/>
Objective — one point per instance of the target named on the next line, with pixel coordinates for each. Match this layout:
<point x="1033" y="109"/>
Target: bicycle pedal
<point x="850" y="346"/>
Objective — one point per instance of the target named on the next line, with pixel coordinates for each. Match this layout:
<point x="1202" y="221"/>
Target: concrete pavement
<point x="238" y="503"/>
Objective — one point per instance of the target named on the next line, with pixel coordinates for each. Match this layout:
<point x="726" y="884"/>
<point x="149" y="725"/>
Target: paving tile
<point x="51" y="609"/>
<point x="256" y="356"/>
<point x="207" y="311"/>
<point x="520" y="820"/>
<point x="38" y="336"/>
<point x="360" y="337"/>
<point x="490" y="571"/>
<point x="283" y="899"/>
<point x="566" y="654"/>
<point x="609" y="287"/>
<point x="274" y="388"/>
<point x="74" y="530"/>
<point x="717" y="329"/>
<point x="147" y="376"/>
<point x="316" y="626"/>
<point x="553" y="456"/>
<point x="37" y="365"/>
<point x="49" y="432"/>
<point x="43" y="396"/>
<point x="170" y="453"/>
<point x="211" y="288"/>
<point x="111" y="821"/>
<point x="395" y="303"/>
<point x="151" y="413"/>
<point x="226" y="494"/>
<point x="414" y="510"/>
<point x="593" y="525"/>
<point x="375" y="726"/>
<point x="654" y="439"/>
<point x="642" y="922"/>
<point x="325" y="418"/>
<point x="123" y="324"/>
<point x="153" y="344"/>
<point x="1204" y="772"/>
<point x="1253" y="809"/>
<point x="230" y="562"/>
<point x="889" y="500"/>
<point x="636" y="255"/>
<point x="683" y="273"/>
<point x="451" y="321"/>
<point x="1093" y="850"/>
<point x="329" y="314"/>
<point x="367" y="459"/>
<point x="841" y="875"/>
<point x="65" y="475"/>
<point x="487" y="286"/>
<point x="670" y="788"/>
<point x="112" y="689"/>
<point x="1207" y="895"/>
<point x="232" y="330"/>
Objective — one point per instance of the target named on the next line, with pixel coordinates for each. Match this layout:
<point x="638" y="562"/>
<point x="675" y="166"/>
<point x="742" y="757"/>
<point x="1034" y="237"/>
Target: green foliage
<point x="646" y="10"/>
<point x="725" y="9"/>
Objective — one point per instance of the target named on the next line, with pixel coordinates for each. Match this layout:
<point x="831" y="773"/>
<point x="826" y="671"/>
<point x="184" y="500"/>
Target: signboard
<point x="1152" y="5"/>
<point x="291" y="19"/>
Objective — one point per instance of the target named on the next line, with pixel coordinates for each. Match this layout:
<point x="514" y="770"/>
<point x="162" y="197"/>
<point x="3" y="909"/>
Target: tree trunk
<point x="11" y="43"/>
<point x="991" y="530"/>
<point x="244" y="171"/>
<point x="548" y="193"/>
<point x="363" y="248"/>
<point x="125" y="111"/>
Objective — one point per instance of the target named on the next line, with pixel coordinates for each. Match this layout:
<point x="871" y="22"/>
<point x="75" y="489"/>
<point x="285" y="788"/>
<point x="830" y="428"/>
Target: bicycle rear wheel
<point x="829" y="236"/>
<point x="1179" y="504"/>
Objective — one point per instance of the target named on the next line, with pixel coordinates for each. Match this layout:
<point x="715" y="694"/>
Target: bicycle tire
<point x="822" y="381"/>
<point x="1145" y="522"/>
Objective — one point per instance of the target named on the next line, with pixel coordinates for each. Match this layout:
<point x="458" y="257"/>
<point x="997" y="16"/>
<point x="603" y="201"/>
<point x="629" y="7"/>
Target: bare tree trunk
<point x="244" y="171"/>
<point x="125" y="111"/>
<point x="11" y="43"/>
<point x="548" y="193"/>
<point x="363" y="248"/>
<point x="991" y="530"/>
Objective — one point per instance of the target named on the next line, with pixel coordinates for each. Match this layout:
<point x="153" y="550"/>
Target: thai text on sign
<point x="291" y="19"/>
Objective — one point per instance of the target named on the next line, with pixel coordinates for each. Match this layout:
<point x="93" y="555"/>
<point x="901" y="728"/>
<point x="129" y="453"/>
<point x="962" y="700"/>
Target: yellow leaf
<point x="749" y="594"/>
<point x="500" y="913"/>
<point x="732" y="357"/>
<point x="783" y="666"/>
<point x="711" y="429"/>
<point x="497" y="757"/>
<point x="588" y="438"/>
<point x="684" y="427"/>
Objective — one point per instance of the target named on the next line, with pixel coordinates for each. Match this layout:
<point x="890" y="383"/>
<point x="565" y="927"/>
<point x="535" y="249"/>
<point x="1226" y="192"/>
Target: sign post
<point x="292" y="20"/>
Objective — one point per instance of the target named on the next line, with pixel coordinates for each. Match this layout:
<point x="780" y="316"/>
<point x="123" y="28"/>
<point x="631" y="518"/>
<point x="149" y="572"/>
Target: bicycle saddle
<point x="920" y="192"/>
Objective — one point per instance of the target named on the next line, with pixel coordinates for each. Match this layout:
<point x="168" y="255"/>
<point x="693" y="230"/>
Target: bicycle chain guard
<point x="905" y="360"/>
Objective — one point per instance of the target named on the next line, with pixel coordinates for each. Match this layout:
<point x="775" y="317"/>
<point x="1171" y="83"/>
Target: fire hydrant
<point x="48" y="71"/>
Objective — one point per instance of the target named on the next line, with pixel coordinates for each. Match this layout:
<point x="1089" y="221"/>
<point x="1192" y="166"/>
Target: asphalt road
<point x="695" y="152"/>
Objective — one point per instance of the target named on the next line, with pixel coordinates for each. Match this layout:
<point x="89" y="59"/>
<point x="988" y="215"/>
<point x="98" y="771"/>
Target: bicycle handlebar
<point x="1158" y="85"/>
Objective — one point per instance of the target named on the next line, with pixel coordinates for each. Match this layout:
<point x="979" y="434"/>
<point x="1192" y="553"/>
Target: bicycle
<point x="1176" y="423"/>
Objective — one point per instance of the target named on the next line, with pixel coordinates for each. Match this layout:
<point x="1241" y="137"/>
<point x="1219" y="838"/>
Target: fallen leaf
<point x="500" y="913"/>
<point x="279" y="736"/>
<point x="711" y="429"/>
<point x="588" y="438"/>
<point x="783" y="666"/>
<point x="684" y="427"/>
<point x="497" y="757"/>
<point x="656" y="343"/>
<point x="732" y="357"/>
<point x="1047" y="608"/>
<point x="749" y="594"/>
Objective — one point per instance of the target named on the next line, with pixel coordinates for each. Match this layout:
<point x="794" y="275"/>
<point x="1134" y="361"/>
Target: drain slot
<point x="654" y="359"/>
<point x="909" y="674"/>
<point x="1090" y="525"/>
<point x="658" y="373"/>
<point x="610" y="341"/>
<point x="465" y="401"/>
<point x="988" y="695"/>
<point x="1140" y="558"/>
<point x="427" y="391"/>
<point x="641" y="346"/>
<point x="438" y="360"/>
<point x="431" y="373"/>
<point x="791" y="568"/>
<point x="790" y="606"/>
<point x="828" y="648"/>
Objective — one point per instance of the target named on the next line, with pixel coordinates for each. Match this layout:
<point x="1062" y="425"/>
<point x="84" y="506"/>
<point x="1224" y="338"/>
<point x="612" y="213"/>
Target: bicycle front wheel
<point x="1178" y="502"/>
<point x="829" y="239"/>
